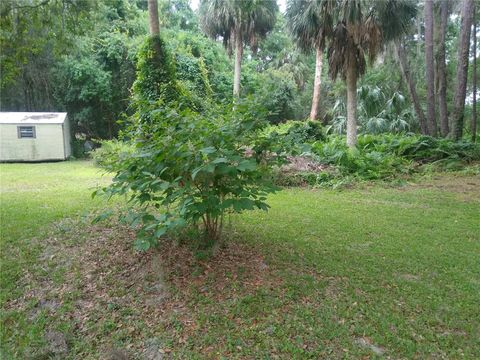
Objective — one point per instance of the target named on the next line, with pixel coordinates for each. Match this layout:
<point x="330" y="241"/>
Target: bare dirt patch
<point x="303" y="164"/>
<point x="466" y="188"/>
<point x="93" y="280"/>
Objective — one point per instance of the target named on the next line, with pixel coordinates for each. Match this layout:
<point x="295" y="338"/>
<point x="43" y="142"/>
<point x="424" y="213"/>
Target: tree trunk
<point x="153" y="17"/>
<point x="238" y="63"/>
<point x="405" y="68"/>
<point x="419" y="37"/>
<point x="351" y="105"/>
<point x="436" y="47"/>
<point x="442" y="69"/>
<point x="462" y="70"/>
<point x="474" y="85"/>
<point x="429" y="68"/>
<point x="316" y="84"/>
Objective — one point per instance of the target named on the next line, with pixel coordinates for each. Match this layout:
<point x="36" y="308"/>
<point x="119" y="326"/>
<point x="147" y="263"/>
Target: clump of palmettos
<point x="351" y="30"/>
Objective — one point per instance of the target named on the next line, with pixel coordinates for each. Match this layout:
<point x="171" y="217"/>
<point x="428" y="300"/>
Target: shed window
<point x="26" y="132"/>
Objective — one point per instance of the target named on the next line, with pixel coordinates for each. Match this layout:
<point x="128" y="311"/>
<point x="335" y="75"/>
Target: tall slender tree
<point x="310" y="23"/>
<point x="418" y="23"/>
<point x="412" y="88"/>
<point x="462" y="70"/>
<point x="441" y="67"/>
<point x="429" y="68"/>
<point x="238" y="22"/>
<point x="474" y="77"/>
<point x="363" y="28"/>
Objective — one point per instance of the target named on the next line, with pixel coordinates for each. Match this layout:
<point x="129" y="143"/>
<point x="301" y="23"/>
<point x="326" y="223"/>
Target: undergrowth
<point x="383" y="157"/>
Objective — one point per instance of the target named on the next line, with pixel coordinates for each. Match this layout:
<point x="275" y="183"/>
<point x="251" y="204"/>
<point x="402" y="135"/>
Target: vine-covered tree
<point x="310" y="23"/>
<point x="156" y="74"/>
<point x="362" y="29"/>
<point x="238" y="22"/>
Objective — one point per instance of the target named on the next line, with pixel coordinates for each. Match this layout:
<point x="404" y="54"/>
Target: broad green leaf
<point x="196" y="171"/>
<point x="220" y="160"/>
<point x="103" y="216"/>
<point x="208" y="150"/>
<point x="141" y="244"/>
<point x="160" y="231"/>
<point x="247" y="165"/>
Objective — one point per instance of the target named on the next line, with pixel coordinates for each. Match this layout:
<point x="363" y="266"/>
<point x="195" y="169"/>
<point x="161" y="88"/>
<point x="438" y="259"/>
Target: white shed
<point x="34" y="136"/>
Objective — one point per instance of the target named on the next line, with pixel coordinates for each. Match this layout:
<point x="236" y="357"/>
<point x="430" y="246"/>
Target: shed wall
<point x="67" y="139"/>
<point x="47" y="145"/>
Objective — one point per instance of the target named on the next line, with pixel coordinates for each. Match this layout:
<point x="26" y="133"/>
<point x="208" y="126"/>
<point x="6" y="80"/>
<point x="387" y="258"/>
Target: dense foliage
<point x="156" y="76"/>
<point x="81" y="58"/>
<point x="187" y="168"/>
<point x="377" y="157"/>
<point x="293" y="137"/>
<point x="379" y="111"/>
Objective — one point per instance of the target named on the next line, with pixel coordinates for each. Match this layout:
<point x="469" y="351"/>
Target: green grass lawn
<point x="32" y="197"/>
<point x="358" y="273"/>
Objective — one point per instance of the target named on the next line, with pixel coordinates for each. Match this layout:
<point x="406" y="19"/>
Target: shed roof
<point x="32" y="117"/>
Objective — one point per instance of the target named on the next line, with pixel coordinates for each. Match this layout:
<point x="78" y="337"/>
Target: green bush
<point x="298" y="131"/>
<point x="387" y="156"/>
<point x="428" y="149"/>
<point x="78" y="149"/>
<point x="306" y="131"/>
<point x="362" y="162"/>
<point x="112" y="153"/>
<point x="193" y="169"/>
<point x="294" y="137"/>
<point x="278" y="93"/>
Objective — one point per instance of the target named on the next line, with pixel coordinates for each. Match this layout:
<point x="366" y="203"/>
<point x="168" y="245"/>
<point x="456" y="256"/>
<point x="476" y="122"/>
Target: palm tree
<point x="362" y="29"/>
<point x="153" y="17"/>
<point x="238" y="22"/>
<point x="310" y="23"/>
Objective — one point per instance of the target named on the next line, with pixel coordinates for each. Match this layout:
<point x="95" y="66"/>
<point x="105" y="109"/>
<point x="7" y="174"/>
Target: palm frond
<point x="252" y="19"/>
<point x="362" y="30"/>
<point x="310" y="22"/>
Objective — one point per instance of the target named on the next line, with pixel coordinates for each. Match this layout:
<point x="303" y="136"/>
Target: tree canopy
<point x="81" y="57"/>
